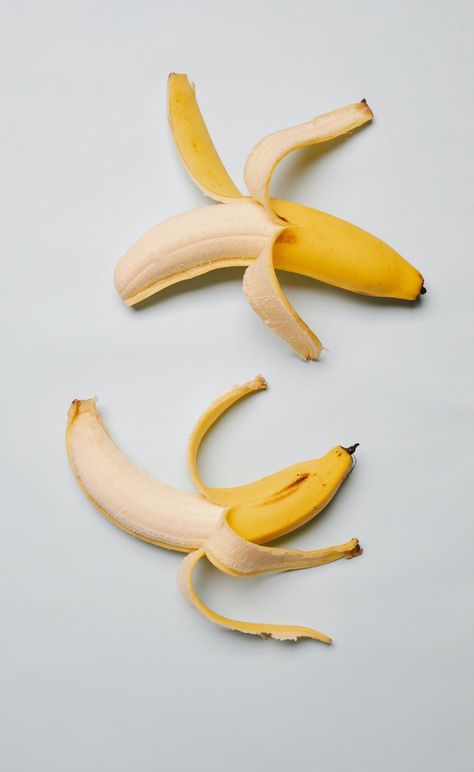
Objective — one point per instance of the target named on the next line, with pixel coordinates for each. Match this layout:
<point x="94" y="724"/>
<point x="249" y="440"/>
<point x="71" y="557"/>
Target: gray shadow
<point x="301" y="162"/>
<point x="206" y="280"/>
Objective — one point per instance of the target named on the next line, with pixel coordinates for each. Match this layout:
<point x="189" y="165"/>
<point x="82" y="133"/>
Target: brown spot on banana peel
<point x="288" y="489"/>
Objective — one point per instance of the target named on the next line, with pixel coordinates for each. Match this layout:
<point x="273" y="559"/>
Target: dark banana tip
<point x="351" y="449"/>
<point x="423" y="290"/>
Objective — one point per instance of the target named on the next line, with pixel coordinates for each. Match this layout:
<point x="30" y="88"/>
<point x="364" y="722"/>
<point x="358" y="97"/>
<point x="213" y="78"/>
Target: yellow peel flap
<point x="195" y="146"/>
<point x="280" y="632"/>
<point x="129" y="497"/>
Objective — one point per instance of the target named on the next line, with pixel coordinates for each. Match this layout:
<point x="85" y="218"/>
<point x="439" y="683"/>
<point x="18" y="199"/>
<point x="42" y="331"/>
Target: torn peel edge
<point x="279" y="632"/>
<point x="79" y="406"/>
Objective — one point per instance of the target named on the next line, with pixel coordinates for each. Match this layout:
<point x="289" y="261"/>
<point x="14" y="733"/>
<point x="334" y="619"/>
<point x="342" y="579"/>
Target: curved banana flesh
<point x="193" y="243"/>
<point x="267" y="154"/>
<point x="129" y="497"/>
<point x="265" y="296"/>
<point x="281" y="502"/>
<point x="279" y="632"/>
<point x="189" y="131"/>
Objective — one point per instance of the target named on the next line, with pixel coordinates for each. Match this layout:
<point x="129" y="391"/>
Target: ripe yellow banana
<point x="259" y="232"/>
<point x="227" y="525"/>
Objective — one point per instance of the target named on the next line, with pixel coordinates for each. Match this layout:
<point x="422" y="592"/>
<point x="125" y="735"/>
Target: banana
<point x="279" y="632"/>
<point x="261" y="233"/>
<point x="241" y="558"/>
<point x="188" y="127"/>
<point x="228" y="526"/>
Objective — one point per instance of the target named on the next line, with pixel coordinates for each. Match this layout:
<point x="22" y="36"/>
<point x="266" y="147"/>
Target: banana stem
<point x="351" y="449"/>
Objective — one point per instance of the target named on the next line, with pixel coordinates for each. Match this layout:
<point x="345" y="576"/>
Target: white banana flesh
<point x="189" y="244"/>
<point x="127" y="495"/>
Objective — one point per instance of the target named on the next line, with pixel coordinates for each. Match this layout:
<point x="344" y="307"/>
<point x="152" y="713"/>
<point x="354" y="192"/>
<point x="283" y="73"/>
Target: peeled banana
<point x="228" y="526"/>
<point x="261" y="232"/>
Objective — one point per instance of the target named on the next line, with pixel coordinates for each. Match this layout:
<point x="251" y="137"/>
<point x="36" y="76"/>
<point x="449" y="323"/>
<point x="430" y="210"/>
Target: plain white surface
<point x="103" y="665"/>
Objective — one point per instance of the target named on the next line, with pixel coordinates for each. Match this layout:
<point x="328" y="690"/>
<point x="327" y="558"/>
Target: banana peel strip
<point x="236" y="556"/>
<point x="264" y="294"/>
<point x="193" y="141"/>
<point x="222" y="496"/>
<point x="267" y="154"/>
<point x="189" y="244"/>
<point x="279" y="632"/>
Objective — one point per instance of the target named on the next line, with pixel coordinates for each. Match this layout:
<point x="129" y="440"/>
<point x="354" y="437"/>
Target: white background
<point x="103" y="665"/>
